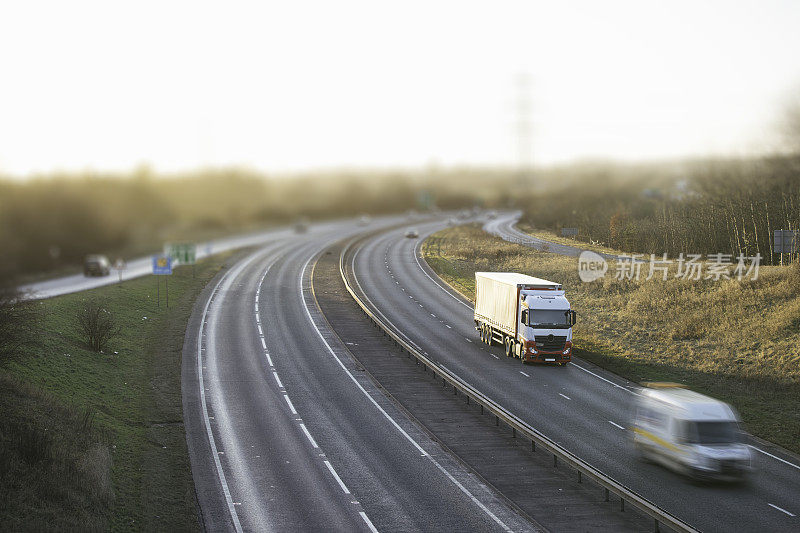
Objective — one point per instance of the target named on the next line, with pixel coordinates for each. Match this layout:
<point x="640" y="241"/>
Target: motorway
<point x="579" y="406"/>
<point x="142" y="266"/>
<point x="286" y="432"/>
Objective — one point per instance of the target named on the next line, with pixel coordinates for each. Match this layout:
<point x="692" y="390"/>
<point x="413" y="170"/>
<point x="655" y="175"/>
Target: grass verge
<point x="738" y="341"/>
<point x="95" y="441"/>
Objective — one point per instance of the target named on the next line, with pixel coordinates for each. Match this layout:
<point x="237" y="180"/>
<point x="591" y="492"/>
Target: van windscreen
<point x="711" y="432"/>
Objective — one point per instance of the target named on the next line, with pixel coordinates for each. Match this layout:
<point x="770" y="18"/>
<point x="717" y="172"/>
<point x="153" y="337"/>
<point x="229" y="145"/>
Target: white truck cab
<point x="690" y="433"/>
<point x="545" y="325"/>
<point x="530" y="317"/>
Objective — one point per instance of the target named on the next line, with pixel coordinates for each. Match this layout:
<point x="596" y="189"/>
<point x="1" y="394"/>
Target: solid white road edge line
<point x="416" y="258"/>
<point x="212" y="443"/>
<point x="774" y="456"/>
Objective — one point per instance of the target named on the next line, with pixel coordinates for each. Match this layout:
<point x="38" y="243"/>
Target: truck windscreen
<point x="549" y="318"/>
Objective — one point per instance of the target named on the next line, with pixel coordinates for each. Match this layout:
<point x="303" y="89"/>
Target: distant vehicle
<point x="301" y="225"/>
<point x="690" y="433"/>
<point x="491" y="215"/>
<point x="411" y="233"/>
<point x="96" y="265"/>
<point x="529" y="316"/>
<point x="452" y="221"/>
<point x="464" y="214"/>
<point x="364" y="220"/>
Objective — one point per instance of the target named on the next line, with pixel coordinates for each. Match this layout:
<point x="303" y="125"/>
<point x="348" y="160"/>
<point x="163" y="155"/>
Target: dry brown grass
<point x="738" y="341"/>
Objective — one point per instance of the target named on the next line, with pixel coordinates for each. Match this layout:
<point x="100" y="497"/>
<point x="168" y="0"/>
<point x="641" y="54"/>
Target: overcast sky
<point x="283" y="86"/>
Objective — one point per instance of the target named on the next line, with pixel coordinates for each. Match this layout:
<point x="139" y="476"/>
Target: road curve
<point x="580" y="406"/>
<point x="504" y="227"/>
<point x="286" y="433"/>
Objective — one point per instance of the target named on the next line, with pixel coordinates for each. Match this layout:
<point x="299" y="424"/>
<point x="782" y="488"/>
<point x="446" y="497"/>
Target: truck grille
<point x="550" y="343"/>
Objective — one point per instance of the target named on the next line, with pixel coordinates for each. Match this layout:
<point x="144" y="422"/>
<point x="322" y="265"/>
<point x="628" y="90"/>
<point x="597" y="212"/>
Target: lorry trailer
<point x="530" y="317"/>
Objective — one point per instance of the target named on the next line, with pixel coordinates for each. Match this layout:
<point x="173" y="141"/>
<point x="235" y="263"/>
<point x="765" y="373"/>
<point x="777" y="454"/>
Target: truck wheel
<point x="489" y="340"/>
<point x="508" y="347"/>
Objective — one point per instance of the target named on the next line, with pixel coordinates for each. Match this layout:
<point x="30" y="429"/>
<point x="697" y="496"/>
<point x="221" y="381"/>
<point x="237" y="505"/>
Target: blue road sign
<point x="162" y="265"/>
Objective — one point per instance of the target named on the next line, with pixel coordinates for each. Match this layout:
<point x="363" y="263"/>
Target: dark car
<point x="96" y="265"/>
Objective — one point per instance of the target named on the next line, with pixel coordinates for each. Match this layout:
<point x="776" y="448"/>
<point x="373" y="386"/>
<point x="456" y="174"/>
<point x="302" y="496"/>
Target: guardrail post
<point x="496" y="420"/>
<point x="467" y="400"/>
<point x="533" y="445"/>
<point x="455" y="391"/>
<point x="555" y="461"/>
<point x="579" y="477"/>
<point x="606" y="494"/>
<point x="513" y="433"/>
<point x="481" y="409"/>
<point x="656" y="528"/>
<point x="622" y="504"/>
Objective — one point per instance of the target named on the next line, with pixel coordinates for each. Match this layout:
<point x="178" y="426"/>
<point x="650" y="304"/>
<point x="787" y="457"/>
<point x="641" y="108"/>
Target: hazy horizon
<point x="285" y="89"/>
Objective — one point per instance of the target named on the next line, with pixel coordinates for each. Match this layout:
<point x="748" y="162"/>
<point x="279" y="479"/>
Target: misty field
<point x="737" y="341"/>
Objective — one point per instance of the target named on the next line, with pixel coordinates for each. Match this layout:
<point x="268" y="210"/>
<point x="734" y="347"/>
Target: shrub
<point x="96" y="325"/>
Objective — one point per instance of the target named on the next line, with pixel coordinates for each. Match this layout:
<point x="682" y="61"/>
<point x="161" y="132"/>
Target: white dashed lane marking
<point x="291" y="405"/>
<point x="781" y="510"/>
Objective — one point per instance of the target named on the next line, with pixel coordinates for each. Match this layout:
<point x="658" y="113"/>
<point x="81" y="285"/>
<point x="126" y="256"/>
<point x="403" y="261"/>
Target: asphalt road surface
<point x="581" y="407"/>
<point x="286" y="433"/>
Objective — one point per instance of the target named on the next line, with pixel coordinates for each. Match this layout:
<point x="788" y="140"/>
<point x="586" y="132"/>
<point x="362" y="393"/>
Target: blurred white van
<point x="690" y="433"/>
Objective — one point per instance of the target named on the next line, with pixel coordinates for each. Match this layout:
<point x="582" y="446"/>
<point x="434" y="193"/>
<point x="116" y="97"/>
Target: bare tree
<point x="96" y="325"/>
<point x="20" y="323"/>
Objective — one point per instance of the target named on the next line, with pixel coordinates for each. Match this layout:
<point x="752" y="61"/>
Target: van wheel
<point x="642" y="454"/>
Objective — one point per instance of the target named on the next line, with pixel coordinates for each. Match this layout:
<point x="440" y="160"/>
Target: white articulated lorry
<point x="529" y="316"/>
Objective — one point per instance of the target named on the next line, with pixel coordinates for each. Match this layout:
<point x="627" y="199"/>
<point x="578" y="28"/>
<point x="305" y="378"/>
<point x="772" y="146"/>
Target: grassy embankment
<point x="95" y="441"/>
<point x="737" y="341"/>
